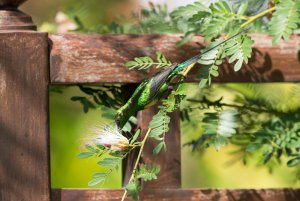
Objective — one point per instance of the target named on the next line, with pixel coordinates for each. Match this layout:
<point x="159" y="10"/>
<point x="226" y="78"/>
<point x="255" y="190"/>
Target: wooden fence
<point x="30" y="61"/>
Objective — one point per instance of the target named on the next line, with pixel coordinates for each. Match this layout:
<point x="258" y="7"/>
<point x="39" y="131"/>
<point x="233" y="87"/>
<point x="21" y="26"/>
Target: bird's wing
<point x="157" y="81"/>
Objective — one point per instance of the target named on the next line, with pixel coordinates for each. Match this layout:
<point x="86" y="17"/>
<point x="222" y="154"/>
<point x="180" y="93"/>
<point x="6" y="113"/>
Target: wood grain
<point x="169" y="161"/>
<point x="24" y="169"/>
<point x="179" y="195"/>
<point x="82" y="58"/>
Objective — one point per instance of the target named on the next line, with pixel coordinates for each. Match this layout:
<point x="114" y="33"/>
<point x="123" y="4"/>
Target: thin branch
<point x="252" y="18"/>
<point x="216" y="103"/>
<point x="137" y="161"/>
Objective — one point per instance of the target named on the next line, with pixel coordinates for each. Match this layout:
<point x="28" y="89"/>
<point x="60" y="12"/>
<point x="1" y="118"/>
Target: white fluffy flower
<point x="227" y="123"/>
<point x="110" y="136"/>
<point x="64" y="23"/>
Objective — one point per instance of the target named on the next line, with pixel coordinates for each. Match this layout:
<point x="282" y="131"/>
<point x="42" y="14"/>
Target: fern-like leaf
<point x="285" y="19"/>
<point x="162" y="60"/>
<point x="133" y="188"/>
<point x="142" y="63"/>
<point x="239" y="50"/>
<point x="211" y="60"/>
<point x="188" y="11"/>
<point x="221" y="17"/>
<point x="147" y="172"/>
<point x="159" y="125"/>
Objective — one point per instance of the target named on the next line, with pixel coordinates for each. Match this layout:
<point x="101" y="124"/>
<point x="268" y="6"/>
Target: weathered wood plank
<point x="80" y="58"/>
<point x="180" y="194"/>
<point x="169" y="161"/>
<point x="170" y="174"/>
<point x="24" y="169"/>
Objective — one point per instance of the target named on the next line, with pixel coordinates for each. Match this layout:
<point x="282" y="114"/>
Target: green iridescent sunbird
<point x="150" y="91"/>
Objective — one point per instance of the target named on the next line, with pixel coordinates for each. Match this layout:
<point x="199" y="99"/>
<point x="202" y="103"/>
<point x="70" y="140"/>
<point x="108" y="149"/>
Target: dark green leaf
<point x="203" y="83"/>
<point x="293" y="162"/>
<point x="111" y="162"/>
<point x="96" y="181"/>
<point x="136" y="135"/>
<point x="253" y="147"/>
<point x="99" y="174"/>
<point x="158" y="148"/>
<point x="85" y="154"/>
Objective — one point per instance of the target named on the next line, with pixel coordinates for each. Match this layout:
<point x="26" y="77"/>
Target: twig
<point x="252" y="18"/>
<point x="254" y="109"/>
<point x="137" y="161"/>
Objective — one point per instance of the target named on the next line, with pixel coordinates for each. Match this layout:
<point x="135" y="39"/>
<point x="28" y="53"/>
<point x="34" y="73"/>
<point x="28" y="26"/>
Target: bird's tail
<point x="194" y="59"/>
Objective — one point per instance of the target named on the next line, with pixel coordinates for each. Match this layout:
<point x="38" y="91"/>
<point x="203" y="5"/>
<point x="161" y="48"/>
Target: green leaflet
<point x="96" y="181"/>
<point x="188" y="11"/>
<point x="284" y="19"/>
<point x="158" y="148"/>
<point x="85" y="154"/>
<point x="111" y="162"/>
<point x="160" y="122"/>
<point x="135" y="136"/>
<point x="253" y="147"/>
<point x="220" y="19"/>
<point x="147" y="172"/>
<point x="162" y="60"/>
<point x="133" y="189"/>
<point x="99" y="174"/>
<point x="295" y="161"/>
<point x="216" y="26"/>
<point x="187" y="37"/>
<point x="98" y="151"/>
<point x="210" y="60"/>
<point x="239" y="50"/>
<point x="159" y="125"/>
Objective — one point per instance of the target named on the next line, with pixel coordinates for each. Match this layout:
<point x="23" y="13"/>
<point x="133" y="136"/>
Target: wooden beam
<point x="24" y="169"/>
<point x="169" y="160"/>
<point x="179" y="194"/>
<point x="82" y="58"/>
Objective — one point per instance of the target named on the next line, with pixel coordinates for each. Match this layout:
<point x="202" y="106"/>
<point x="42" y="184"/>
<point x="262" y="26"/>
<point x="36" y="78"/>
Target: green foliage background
<point x="69" y="125"/>
<point x="224" y="169"/>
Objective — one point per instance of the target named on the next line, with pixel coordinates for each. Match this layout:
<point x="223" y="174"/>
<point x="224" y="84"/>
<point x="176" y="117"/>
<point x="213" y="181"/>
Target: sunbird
<point x="150" y="91"/>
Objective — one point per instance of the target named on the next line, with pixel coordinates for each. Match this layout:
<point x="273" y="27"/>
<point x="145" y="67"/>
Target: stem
<point x="252" y="18"/>
<point x="254" y="109"/>
<point x="137" y="161"/>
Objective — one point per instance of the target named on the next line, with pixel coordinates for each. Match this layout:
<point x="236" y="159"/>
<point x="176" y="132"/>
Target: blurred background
<point x="93" y="11"/>
<point x="69" y="124"/>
